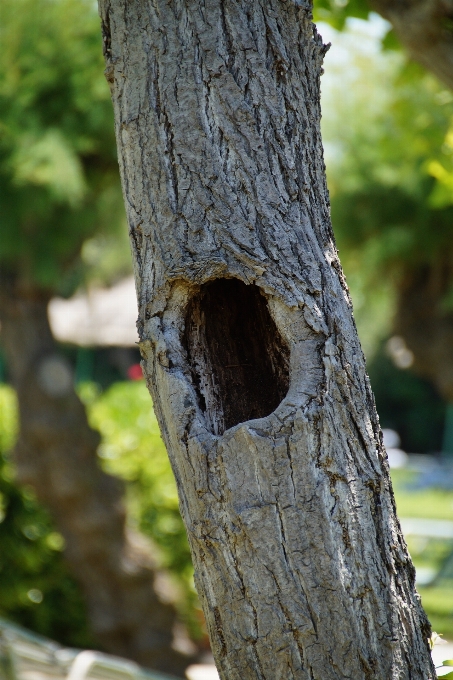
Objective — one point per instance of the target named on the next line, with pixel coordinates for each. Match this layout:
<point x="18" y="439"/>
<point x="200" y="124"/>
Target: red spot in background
<point x="135" y="372"/>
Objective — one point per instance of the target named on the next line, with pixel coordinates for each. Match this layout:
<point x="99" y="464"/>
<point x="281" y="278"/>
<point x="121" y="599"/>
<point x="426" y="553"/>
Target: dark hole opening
<point x="238" y="359"/>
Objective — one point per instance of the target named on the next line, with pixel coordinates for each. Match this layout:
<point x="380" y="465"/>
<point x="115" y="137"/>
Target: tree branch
<point x="425" y="29"/>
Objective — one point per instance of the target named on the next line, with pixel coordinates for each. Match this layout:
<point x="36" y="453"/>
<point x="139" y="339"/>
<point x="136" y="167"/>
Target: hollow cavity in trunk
<point x="238" y="359"/>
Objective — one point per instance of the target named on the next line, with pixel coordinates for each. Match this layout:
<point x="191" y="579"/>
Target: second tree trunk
<point x="56" y="456"/>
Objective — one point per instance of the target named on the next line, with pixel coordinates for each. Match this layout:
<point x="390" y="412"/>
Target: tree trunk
<point x="424" y="28"/>
<point x="426" y="323"/>
<point x="249" y="344"/>
<point x="56" y="456"/>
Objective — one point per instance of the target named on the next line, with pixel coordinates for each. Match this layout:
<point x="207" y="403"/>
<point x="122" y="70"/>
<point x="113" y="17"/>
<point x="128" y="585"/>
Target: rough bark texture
<point x="56" y="455"/>
<point x="299" y="558"/>
<point x="425" y="29"/>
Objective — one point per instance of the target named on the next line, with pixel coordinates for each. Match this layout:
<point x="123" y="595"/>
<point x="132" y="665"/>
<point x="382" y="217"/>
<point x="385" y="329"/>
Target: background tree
<point x="59" y="186"/>
<point x="423" y="27"/>
<point x="36" y="587"/>
<point x="249" y="346"/>
<point x="423" y="317"/>
<point x="390" y="178"/>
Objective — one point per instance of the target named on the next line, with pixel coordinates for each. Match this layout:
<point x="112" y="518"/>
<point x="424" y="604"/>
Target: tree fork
<point x="249" y="345"/>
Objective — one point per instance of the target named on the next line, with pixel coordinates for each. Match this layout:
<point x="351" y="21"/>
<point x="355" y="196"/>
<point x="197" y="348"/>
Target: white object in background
<point x="431" y="528"/>
<point x="397" y="458"/>
<point x="391" y="438"/>
<point x="85" y="662"/>
<point x="441" y="651"/>
<point x="102" y="317"/>
<point x="202" y="672"/>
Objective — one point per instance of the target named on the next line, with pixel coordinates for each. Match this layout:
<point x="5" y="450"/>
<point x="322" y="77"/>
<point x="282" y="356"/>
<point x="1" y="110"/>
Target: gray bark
<point x="249" y="345"/>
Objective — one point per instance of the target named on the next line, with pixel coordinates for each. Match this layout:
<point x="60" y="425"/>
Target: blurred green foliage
<point x="429" y="503"/>
<point x="59" y="182"/>
<point x="388" y="135"/>
<point x="336" y="12"/>
<point x="36" y="589"/>
<point x="407" y="404"/>
<point x="132" y="449"/>
<point x="438" y="604"/>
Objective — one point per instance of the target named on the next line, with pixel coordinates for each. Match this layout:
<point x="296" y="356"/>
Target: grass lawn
<point x="426" y="553"/>
<point x="438" y="604"/>
<point x="427" y="503"/>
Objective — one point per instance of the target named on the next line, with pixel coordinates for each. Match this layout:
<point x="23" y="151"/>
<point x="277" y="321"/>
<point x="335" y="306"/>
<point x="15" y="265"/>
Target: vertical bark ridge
<point x="299" y="559"/>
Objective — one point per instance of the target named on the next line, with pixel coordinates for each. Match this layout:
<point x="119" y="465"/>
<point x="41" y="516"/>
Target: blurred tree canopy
<point x="63" y="223"/>
<point x="59" y="182"/>
<point x="423" y="27"/>
<point x="336" y="12"/>
<point x="388" y="131"/>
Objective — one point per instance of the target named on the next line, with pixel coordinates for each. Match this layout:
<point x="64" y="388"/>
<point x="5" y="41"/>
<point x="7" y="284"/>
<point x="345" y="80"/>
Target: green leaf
<point x="447" y="662"/>
<point x="390" y="41"/>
